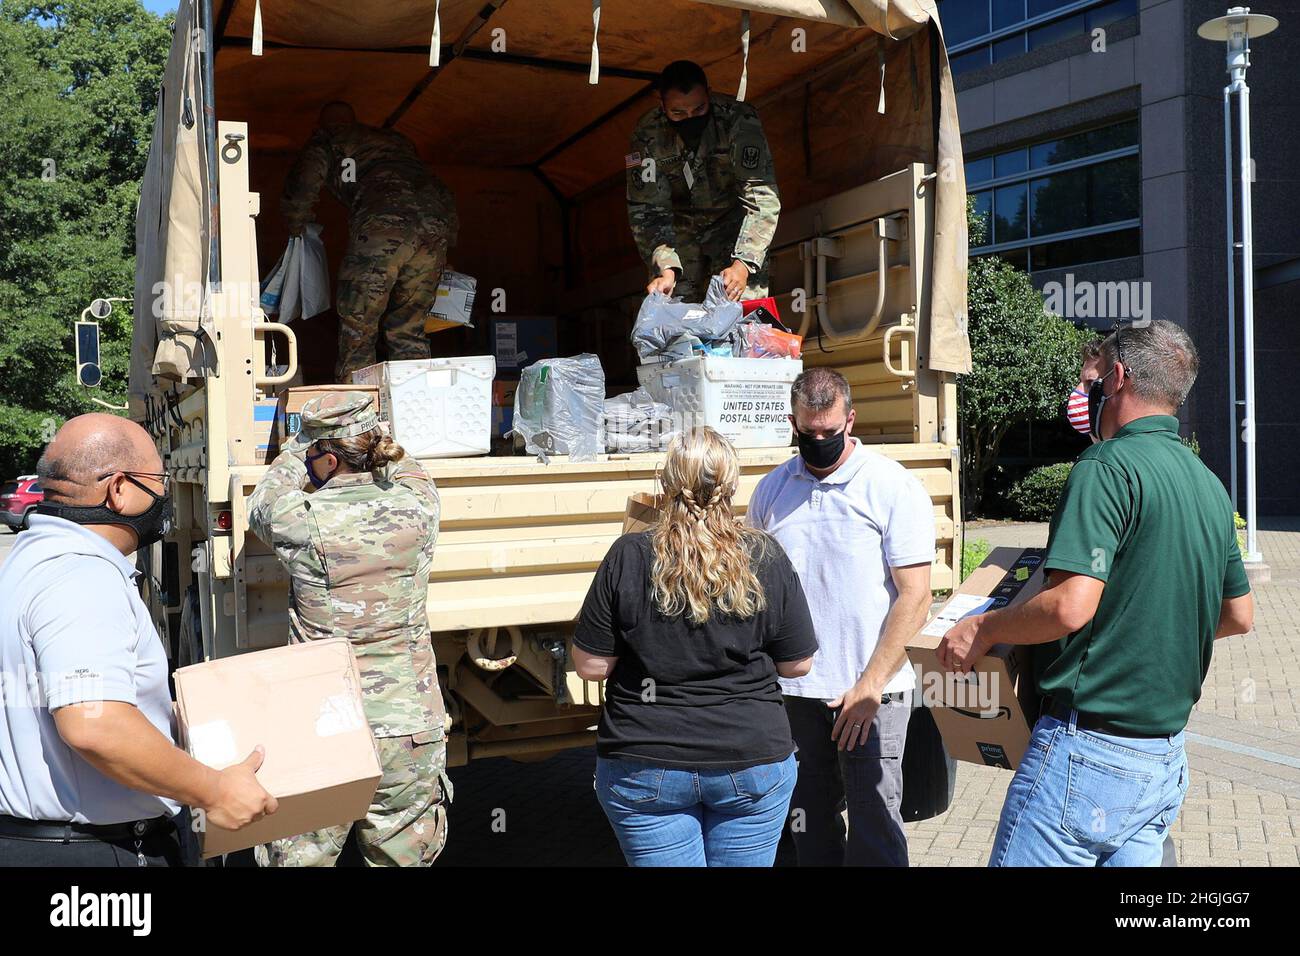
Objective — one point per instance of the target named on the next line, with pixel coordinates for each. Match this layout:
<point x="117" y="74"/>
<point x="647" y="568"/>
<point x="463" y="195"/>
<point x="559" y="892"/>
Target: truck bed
<point x="521" y="540"/>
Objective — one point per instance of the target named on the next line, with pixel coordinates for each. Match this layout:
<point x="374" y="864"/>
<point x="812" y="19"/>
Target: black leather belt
<point x="1061" y="711"/>
<point x="20" y="829"/>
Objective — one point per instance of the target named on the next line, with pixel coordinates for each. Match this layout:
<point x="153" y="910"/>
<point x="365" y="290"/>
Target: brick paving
<point x="1241" y="809"/>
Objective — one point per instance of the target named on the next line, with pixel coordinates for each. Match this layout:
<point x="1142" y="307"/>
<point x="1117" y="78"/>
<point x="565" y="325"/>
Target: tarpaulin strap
<point x="594" y="76"/>
<point x="257" y="28"/>
<point x="880" y="58"/>
<point x="435" y="42"/>
<point x="191" y="54"/>
<point x="744" y="46"/>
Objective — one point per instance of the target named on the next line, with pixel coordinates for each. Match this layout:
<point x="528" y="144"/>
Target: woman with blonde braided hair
<point x="690" y="624"/>
<point x="703" y="555"/>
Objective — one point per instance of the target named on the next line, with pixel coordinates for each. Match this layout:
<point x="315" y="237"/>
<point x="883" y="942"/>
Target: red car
<point x="17" y="501"/>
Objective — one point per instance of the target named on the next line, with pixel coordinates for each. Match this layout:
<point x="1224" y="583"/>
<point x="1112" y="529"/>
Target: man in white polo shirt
<point x="89" y="771"/>
<point x="859" y="530"/>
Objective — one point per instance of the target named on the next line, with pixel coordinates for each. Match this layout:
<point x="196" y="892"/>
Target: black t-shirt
<point x="685" y="695"/>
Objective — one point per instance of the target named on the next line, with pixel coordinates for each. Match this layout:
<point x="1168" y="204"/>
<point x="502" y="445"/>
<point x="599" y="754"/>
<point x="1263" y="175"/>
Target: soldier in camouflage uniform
<point x="358" y="551"/>
<point x="401" y="221"/>
<point x="701" y="190"/>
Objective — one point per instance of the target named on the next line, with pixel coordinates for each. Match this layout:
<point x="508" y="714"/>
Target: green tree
<point x="79" y="82"/>
<point x="1024" y="359"/>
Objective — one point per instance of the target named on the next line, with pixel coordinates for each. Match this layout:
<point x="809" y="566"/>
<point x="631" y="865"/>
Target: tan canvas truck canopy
<point x="173" y="224"/>
<point x="512" y="100"/>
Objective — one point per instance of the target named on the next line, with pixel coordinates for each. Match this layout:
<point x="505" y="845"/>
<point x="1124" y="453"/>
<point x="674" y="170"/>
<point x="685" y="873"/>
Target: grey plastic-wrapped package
<point x="635" y="422"/>
<point x="662" y="319"/>
<point x="559" y="406"/>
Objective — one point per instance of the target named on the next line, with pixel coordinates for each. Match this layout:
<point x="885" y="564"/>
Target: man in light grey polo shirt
<point x="89" y="771"/>
<point x="859" y="530"/>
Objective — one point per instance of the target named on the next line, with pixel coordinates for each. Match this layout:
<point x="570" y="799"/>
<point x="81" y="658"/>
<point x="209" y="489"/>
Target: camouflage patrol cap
<point x="338" y="415"/>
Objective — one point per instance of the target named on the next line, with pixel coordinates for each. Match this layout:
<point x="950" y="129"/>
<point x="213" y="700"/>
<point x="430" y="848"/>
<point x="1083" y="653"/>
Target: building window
<point x="1061" y="202"/>
<point x="980" y="32"/>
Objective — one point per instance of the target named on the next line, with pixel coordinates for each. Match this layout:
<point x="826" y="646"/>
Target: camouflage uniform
<point x="358" y="552"/>
<point x="401" y="221"/>
<point x="729" y="209"/>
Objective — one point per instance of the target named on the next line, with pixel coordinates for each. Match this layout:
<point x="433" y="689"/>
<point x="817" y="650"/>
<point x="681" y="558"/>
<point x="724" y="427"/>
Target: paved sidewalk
<point x="1243" y="804"/>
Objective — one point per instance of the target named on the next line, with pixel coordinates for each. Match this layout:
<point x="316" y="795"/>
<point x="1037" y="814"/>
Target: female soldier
<point x="358" y="550"/>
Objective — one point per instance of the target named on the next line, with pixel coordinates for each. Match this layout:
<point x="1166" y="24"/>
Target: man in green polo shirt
<point x="1144" y="574"/>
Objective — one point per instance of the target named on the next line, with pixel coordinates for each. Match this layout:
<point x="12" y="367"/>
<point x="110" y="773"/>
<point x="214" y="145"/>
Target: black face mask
<point x="691" y="129"/>
<point x="1097" y="399"/>
<point x="822" y="453"/>
<point x="149" y="525"/>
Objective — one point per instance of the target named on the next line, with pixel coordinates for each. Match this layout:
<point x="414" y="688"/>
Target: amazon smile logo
<point x="973" y="694"/>
<point x="1000" y="712"/>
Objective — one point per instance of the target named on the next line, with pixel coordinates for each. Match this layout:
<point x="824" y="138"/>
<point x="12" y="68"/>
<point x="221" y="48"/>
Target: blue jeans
<point x="1082" y="798"/>
<point x="668" y="816"/>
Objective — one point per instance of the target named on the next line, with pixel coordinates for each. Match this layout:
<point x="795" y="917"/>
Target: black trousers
<point x="160" y="847"/>
<point x="867" y="781"/>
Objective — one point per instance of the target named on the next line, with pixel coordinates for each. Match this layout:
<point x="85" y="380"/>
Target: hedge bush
<point x="1034" y="497"/>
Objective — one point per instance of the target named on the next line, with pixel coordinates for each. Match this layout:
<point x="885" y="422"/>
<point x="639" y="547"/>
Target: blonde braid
<point x="692" y="507"/>
<point x="704" y="555"/>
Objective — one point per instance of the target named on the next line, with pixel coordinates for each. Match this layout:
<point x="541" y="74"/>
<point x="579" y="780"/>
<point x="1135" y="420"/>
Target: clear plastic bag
<point x="559" y="407"/>
<point x="760" y="340"/>
<point x="662" y="319"/>
<point x="635" y="422"/>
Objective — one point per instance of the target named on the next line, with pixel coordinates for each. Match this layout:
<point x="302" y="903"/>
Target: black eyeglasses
<point x="1119" y="352"/>
<point x="161" y="476"/>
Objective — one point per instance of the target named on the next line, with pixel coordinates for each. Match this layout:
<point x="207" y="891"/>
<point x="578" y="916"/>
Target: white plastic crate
<point x="437" y="407"/>
<point x="746" y="400"/>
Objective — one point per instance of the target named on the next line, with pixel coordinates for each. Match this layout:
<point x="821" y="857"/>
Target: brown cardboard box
<point x="303" y="704"/>
<point x="986" y="716"/>
<point x="642" y="512"/>
<point x="292" y="400"/>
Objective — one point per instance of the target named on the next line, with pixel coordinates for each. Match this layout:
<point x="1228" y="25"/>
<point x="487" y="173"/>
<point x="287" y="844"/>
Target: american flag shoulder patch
<point x="631" y="160"/>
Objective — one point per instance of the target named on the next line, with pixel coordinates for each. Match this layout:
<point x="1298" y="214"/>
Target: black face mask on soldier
<point x="691" y="128"/>
<point x="149" y="526"/>
<point x="822" y="452"/>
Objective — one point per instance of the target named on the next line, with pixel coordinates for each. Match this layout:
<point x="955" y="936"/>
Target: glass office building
<point x="1093" y="138"/>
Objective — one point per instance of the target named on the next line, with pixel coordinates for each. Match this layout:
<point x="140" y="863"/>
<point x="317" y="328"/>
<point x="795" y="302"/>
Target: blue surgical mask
<point x="311" y="474"/>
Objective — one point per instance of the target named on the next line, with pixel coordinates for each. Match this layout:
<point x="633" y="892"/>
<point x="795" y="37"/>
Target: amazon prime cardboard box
<point x="986" y="716"/>
<point x="302" y="703"/>
<point x="292" y="400"/>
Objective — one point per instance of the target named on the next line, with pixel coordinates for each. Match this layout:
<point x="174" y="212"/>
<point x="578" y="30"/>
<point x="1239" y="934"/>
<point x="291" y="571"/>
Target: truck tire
<point x="929" y="774"/>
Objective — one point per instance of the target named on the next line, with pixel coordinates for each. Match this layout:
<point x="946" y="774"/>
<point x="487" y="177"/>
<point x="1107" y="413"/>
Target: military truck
<point x="525" y="110"/>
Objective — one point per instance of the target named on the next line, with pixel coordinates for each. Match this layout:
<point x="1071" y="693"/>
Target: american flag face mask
<point x="1076" y="411"/>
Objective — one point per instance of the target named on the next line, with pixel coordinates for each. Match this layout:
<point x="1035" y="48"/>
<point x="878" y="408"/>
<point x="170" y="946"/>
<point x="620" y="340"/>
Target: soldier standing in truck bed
<point x="701" y="190"/>
<point x="401" y="221"/>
